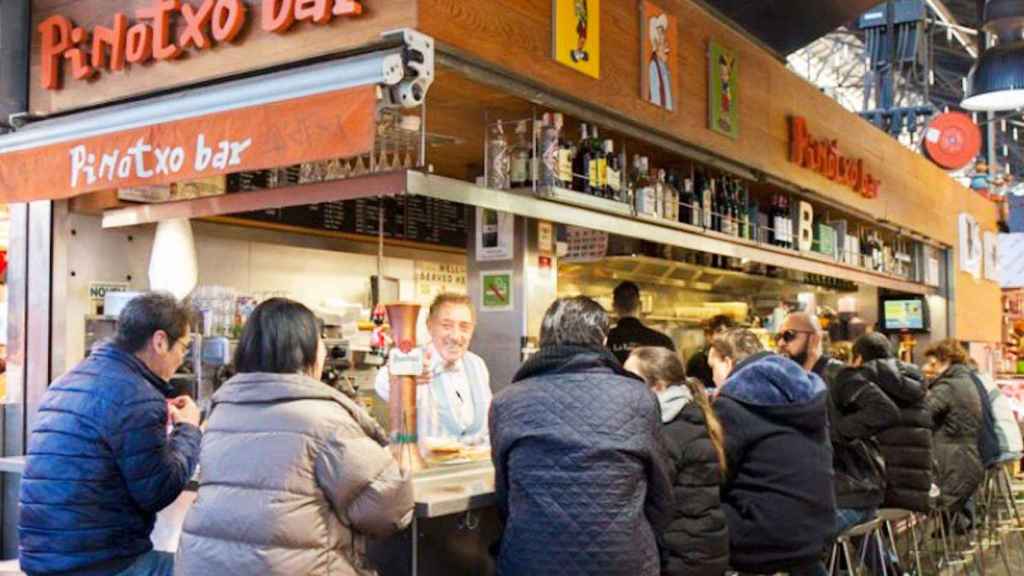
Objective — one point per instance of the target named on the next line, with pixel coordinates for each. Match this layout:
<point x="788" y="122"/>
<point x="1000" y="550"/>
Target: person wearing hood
<point x="696" y="543"/>
<point x="858" y="411"/>
<point x="581" y="471"/>
<point x="295" y="475"/>
<point x="906" y="447"/>
<point x="777" y="497"/>
<point x="957" y="421"/>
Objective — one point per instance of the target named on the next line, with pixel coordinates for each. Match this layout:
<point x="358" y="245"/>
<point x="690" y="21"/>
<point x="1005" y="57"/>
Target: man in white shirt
<point x="453" y="397"/>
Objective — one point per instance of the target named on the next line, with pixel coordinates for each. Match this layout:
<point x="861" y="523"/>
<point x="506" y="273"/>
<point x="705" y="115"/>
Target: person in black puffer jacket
<point x="907" y="446"/>
<point x="777" y="497"/>
<point x="858" y="410"/>
<point x="581" y="472"/>
<point x="957" y="420"/>
<point x="696" y="543"/>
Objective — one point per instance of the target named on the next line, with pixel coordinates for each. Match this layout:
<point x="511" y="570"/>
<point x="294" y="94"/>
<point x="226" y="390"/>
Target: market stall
<point x="335" y="161"/>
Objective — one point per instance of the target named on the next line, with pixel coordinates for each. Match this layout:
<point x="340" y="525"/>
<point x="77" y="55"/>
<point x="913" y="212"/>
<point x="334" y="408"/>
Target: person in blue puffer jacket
<point x="100" y="462"/>
<point x="778" y="495"/>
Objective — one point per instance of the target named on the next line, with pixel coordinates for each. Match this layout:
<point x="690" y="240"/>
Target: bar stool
<point x="996" y="501"/>
<point x="896" y="515"/>
<point x="871" y="532"/>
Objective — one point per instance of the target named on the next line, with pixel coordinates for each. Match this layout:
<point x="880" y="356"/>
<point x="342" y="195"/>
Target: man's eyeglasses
<point x="790" y="335"/>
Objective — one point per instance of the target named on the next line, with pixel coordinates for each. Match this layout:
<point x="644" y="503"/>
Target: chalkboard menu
<point x="413" y="218"/>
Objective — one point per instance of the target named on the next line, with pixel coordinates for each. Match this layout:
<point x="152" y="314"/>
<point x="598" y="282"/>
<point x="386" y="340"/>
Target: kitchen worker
<point x="453" y="396"/>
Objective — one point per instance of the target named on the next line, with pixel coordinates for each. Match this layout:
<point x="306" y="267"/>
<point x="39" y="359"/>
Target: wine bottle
<point x="519" y="174"/>
<point x="613" y="172"/>
<point x="598" y="165"/>
<point x="581" y="163"/>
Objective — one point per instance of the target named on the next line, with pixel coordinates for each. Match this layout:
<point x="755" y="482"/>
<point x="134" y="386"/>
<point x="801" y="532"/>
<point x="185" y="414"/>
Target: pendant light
<point x="996" y="81"/>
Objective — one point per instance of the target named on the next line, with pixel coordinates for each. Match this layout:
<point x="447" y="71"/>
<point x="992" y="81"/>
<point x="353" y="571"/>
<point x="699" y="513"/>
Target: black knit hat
<point x="874" y="346"/>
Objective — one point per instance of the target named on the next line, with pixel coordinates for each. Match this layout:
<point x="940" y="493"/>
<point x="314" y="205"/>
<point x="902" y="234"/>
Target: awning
<point x="312" y="113"/>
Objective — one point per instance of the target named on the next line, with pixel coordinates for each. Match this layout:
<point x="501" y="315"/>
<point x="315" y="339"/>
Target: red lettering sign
<point x="152" y="38"/>
<point x="824" y="157"/>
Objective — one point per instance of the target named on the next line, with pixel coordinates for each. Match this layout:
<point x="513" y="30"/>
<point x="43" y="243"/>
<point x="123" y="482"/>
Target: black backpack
<point x="988" y="440"/>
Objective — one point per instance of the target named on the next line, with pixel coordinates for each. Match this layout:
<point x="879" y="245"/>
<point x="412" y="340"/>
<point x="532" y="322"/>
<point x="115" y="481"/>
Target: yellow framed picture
<point x="577" y="35"/>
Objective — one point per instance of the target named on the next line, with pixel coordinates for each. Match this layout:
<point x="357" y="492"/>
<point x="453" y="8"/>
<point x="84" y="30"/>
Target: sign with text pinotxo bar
<point x="332" y="125"/>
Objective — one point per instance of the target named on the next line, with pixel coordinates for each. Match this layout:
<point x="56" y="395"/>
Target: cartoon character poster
<point x="723" y="88"/>
<point x="577" y="31"/>
<point x="659" y="66"/>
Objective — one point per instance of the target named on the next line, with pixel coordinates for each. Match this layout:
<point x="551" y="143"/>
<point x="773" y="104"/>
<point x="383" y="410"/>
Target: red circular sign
<point x="952" y="140"/>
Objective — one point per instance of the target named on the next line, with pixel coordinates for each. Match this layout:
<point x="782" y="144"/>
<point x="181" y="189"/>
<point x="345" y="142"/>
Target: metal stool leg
<point x="914" y="542"/>
<point x="849" y="558"/>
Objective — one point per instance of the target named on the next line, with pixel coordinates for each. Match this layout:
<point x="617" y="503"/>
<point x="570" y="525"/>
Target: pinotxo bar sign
<point x="336" y="124"/>
<point x="151" y="36"/>
<point x="823" y="156"/>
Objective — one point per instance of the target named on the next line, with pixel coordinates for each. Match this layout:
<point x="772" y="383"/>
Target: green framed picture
<point x="723" y="90"/>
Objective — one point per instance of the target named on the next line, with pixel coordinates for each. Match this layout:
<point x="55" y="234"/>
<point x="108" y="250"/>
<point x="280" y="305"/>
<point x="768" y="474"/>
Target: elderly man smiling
<point x="454" y="394"/>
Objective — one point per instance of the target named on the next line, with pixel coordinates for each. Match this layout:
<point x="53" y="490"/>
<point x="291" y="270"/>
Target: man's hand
<point x="183" y="410"/>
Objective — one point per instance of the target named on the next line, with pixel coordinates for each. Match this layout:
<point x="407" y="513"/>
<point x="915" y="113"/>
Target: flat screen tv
<point x="903" y="313"/>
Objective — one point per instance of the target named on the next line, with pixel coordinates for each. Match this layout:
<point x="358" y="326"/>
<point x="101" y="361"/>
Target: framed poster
<point x="659" y="66"/>
<point x="496" y="291"/>
<point x="723" y="90"/>
<point x="990" y="244"/>
<point x="577" y="35"/>
<point x="970" y="246"/>
<point x="494" y="234"/>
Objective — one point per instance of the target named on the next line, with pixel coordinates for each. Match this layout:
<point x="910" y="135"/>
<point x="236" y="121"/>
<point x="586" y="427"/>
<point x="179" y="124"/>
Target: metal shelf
<point x="564" y="208"/>
<point x="653" y="230"/>
<point x="373" y="185"/>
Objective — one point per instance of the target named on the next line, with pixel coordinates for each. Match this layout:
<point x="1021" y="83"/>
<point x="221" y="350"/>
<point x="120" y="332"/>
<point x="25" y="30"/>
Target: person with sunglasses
<point x="800" y="339"/>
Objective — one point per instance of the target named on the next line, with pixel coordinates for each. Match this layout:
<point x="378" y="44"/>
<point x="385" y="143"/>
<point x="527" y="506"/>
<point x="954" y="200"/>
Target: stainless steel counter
<point x="453" y="489"/>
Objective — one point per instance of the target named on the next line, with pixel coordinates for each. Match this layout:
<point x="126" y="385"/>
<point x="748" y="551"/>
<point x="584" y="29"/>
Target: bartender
<point x="453" y="396"/>
<point x="630" y="332"/>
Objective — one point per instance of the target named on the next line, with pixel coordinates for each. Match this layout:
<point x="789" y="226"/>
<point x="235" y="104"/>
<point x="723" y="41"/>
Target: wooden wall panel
<point x="915" y="194"/>
<point x="253" y="49"/>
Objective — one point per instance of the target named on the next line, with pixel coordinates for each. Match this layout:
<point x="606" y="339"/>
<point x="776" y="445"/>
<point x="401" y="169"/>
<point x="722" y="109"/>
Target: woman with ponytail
<point x="696" y="543"/>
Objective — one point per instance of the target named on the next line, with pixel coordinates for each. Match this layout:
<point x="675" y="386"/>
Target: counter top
<point x="444" y="491"/>
<point x="13" y="464"/>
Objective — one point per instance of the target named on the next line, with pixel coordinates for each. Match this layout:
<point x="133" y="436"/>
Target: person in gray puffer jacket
<point x="293" y="474"/>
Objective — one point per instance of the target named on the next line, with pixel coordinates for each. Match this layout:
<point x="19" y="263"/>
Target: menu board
<point x="413" y="218"/>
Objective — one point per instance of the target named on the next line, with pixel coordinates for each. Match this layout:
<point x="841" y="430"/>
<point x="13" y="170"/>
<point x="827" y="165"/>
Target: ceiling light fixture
<point x="996" y="81"/>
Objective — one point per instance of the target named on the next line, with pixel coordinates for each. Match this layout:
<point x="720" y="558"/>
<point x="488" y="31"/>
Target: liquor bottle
<point x="549" y="174"/>
<point x="716" y="205"/>
<point x="566" y="154"/>
<point x="706" y="202"/>
<point x="673" y="197"/>
<point x="786" y="223"/>
<point x="598" y="165"/>
<point x="613" y="172"/>
<point x="519" y="174"/>
<point x="499" y="162"/>
<point x="725" y="208"/>
<point x="777" y="237"/>
<point x="646" y="203"/>
<point x="686" y="199"/>
<point x="581" y="163"/>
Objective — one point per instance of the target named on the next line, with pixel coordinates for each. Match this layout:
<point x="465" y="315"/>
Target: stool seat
<point x="862" y="529"/>
<point x="893" y="514"/>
